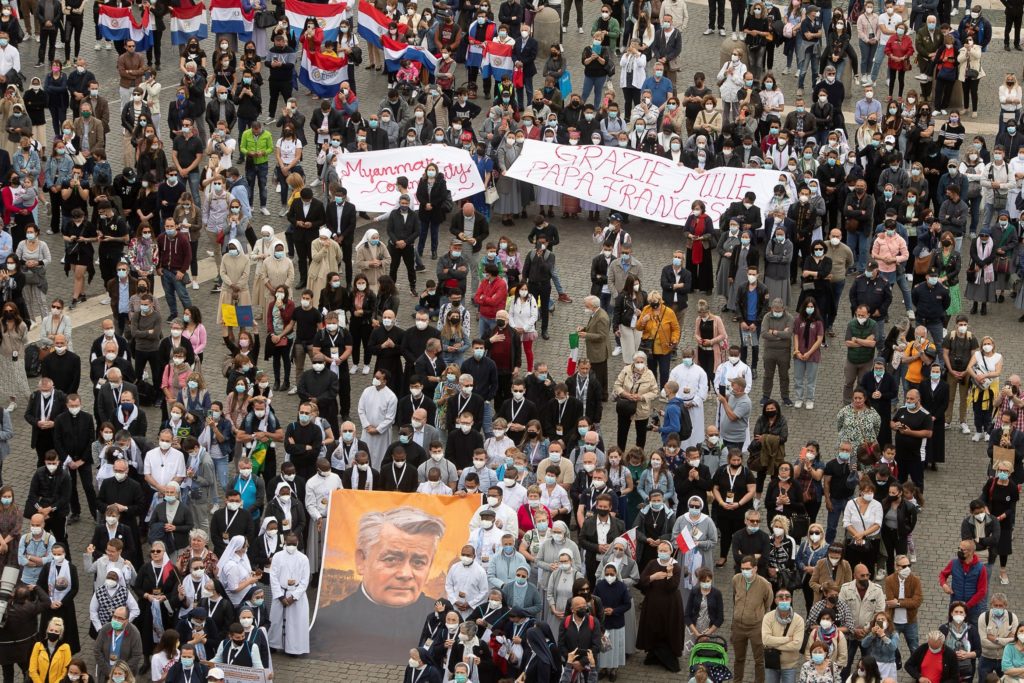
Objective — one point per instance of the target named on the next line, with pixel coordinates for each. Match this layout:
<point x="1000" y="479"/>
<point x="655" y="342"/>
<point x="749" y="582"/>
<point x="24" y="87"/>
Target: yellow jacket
<point x="661" y="325"/>
<point x="42" y="670"/>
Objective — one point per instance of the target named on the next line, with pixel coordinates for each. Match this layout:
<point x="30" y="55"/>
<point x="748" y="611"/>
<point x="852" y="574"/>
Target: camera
<point x="8" y="581"/>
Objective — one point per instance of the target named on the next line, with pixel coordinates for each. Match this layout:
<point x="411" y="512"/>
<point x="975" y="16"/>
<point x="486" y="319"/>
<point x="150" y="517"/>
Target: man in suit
<point x="306" y="216"/>
<point x="130" y="645"/>
<point x="418" y="398"/>
<point x="119" y="290"/>
<point x="599" y="529"/>
<point x="559" y="416"/>
<point x="341" y="221"/>
<point x="44" y="407"/>
<point x="470" y="226"/>
<point x="424" y="432"/>
<point x="74" y="434"/>
<point x="403" y="228"/>
<point x="599" y="275"/>
<point x="588" y="389"/>
<point x="109" y="396"/>
<point x="107" y="360"/>
<point x="676" y="283"/>
<point x="113" y="528"/>
<point x="395" y="551"/>
<point x="597" y="334"/>
<point x="63" y="366"/>
<point x="429" y="366"/>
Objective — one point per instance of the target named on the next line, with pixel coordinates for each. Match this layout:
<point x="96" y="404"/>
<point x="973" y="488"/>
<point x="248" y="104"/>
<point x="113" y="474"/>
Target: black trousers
<point x="1013" y="22"/>
<point x="153" y="53"/>
<point x="153" y="359"/>
<point x="84" y="475"/>
<point x="543" y="291"/>
<point x="58" y="526"/>
<point x="360" y="339"/>
<point x="344" y="393"/>
<point x="304" y="251"/>
<point x="623" y="431"/>
<point x="281" y="89"/>
<point x="567" y="6"/>
<point x="346" y="258"/>
<point x="48" y="42"/>
<point x="716" y="8"/>
<point x="72" y="30"/>
<point x="408" y="255"/>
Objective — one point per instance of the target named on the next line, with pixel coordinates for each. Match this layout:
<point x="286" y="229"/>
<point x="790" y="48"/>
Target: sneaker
<point x="38" y="64"/>
<point x="35" y="37"/>
<point x="195" y="285"/>
<point x="911" y="315"/>
<point x="976" y="437"/>
<point x="293" y="391"/>
<point x="60" y="44"/>
<point x="419" y="269"/>
<point x="366" y="369"/>
<point x="617" y="352"/>
<point x="709" y="31"/>
<point x="105" y="300"/>
<point x="953" y="12"/>
<point x="110" y="46"/>
<point x="785" y="71"/>
<point x="921" y="77"/>
<point x="1004" y="580"/>
<point x="353" y="370"/>
<point x="879" y="574"/>
<point x="809" y="405"/>
<point x="98" y="47"/>
<point x="786" y="402"/>
<point x="798" y="403"/>
<point x="964" y="429"/>
<point x="987" y="436"/>
<point x="580" y="30"/>
<point x="215" y="289"/>
<point x="265" y="211"/>
<point x="721" y="32"/>
<point x="735" y="36"/>
<point x="209" y="253"/>
<point x="757" y="503"/>
<point x="283" y="212"/>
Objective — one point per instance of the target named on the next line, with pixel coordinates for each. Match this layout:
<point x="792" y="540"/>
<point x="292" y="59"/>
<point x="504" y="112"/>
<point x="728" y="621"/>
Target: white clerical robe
<point x="693" y="390"/>
<point x="466" y="584"/>
<point x="377" y="408"/>
<point x="289" y="626"/>
<point x="318" y="495"/>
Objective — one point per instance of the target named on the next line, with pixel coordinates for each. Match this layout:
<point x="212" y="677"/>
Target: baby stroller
<point x="712" y="653"/>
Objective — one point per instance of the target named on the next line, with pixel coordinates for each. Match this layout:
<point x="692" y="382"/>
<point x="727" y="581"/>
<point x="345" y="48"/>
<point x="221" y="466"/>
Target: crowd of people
<point x="588" y="545"/>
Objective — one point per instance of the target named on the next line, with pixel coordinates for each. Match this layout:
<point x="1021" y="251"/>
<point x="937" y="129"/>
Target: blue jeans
<point x="834" y="515"/>
<point x="257" y="173"/>
<point x="867" y="57"/>
<point x="597" y="84"/>
<point x="858" y="243"/>
<point x="975" y="206"/>
<point x="175" y="287"/>
<point x="780" y="676"/>
<point x="431" y="228"/>
<point x="220" y="469"/>
<point x="986" y="665"/>
<point x="193" y="186"/>
<point x="487" y="326"/>
<point x="909" y="633"/>
<point x="877" y="63"/>
<point x="806" y="56"/>
<point x="805" y="374"/>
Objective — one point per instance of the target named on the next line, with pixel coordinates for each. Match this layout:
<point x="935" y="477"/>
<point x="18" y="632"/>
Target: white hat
<point x="216" y="672"/>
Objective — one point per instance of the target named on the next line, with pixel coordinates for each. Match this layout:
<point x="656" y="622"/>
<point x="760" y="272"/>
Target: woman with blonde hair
<point x="121" y="672"/>
<point x="658" y="325"/>
<point x="51" y="656"/>
<point x="984" y="369"/>
<point x="194" y="396"/>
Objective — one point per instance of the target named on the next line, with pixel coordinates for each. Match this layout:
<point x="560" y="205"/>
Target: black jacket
<point x="592" y="406"/>
<point x="33" y="413"/>
<point x="874" y="293"/>
<point x="437" y="197"/>
<point x="405" y="228"/>
<point x="317" y="216"/>
<point x="598" y="274"/>
<point x="346" y="228"/>
<point x="73" y="436"/>
<point x="481" y="228"/>
<point x="676" y="297"/>
<point x="49" y="490"/>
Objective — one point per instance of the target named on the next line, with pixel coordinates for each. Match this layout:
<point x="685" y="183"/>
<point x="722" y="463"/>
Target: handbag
<point x="799" y="523"/>
<point x="922" y="263"/>
<point x="626" y="407"/>
<point x="491" y="194"/>
<point x="772" y="656"/>
<point x="265" y="19"/>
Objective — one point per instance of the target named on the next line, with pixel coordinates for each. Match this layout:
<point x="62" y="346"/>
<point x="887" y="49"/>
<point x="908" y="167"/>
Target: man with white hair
<point x="597" y="334"/>
<point x="394" y="554"/>
<point x="933" y="660"/>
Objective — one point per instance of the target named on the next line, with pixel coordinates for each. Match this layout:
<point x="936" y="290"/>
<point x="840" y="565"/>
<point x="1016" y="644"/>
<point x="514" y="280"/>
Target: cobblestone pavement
<point x="948" y="490"/>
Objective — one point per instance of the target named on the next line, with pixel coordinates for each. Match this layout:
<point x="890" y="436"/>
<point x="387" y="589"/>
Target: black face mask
<point x="581" y="612"/>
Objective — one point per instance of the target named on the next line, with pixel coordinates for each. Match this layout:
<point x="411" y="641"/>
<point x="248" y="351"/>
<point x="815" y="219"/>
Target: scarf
<point x="125" y="418"/>
<point x="59" y="576"/>
<point x="697" y="250"/>
<point x="988" y="272"/>
<point x="355" y="478"/>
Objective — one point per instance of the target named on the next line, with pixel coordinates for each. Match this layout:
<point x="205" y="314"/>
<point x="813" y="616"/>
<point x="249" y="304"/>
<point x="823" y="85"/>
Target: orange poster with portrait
<point x="386" y="558"/>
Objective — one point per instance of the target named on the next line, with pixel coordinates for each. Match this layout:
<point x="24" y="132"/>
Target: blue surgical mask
<point x="784" y="605"/>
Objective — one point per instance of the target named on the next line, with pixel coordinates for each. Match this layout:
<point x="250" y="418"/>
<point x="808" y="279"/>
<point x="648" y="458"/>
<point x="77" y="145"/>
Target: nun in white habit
<point x="234" y="570"/>
<point x="289" y="610"/>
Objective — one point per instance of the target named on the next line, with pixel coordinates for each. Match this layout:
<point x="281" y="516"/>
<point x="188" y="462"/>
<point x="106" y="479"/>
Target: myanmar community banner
<point x="637" y="183"/>
<point x="370" y="177"/>
<point x="386" y="558"/>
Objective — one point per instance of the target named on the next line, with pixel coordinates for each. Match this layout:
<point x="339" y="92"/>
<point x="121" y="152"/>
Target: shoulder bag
<point x="626" y="407"/>
<point x="772" y="656"/>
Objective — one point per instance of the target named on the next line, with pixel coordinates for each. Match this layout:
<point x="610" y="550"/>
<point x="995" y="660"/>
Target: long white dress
<point x="289" y="626"/>
<point x="696" y="380"/>
<point x="377" y="408"/>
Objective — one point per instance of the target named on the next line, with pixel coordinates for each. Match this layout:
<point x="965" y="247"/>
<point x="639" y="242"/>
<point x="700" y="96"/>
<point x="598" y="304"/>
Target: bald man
<point x="63" y="366"/>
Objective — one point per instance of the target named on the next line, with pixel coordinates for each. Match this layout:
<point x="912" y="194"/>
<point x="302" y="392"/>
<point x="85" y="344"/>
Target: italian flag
<point x="574" y="353"/>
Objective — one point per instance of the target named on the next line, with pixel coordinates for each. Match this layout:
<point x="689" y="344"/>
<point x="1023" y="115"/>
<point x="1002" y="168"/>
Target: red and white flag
<point x="684" y="541"/>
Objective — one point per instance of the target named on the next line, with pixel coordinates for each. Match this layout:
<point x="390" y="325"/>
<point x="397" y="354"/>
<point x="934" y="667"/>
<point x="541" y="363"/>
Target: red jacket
<point x="175" y="253"/>
<point x="490" y="297"/>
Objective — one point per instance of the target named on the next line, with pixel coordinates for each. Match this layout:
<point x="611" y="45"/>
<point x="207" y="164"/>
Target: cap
<point x="466" y="136"/>
<point x="872" y="264"/>
<point x="487" y="513"/>
<point x="198" y="613"/>
<point x="890" y="138"/>
<point x="615" y="216"/>
<point x="216" y="673"/>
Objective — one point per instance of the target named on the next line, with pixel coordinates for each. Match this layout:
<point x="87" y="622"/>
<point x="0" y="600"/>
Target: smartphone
<point x="722" y="389"/>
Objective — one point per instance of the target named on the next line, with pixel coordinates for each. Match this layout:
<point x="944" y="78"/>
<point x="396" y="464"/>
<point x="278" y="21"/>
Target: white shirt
<point x="873" y="516"/>
<point x="9" y="59"/>
<point x="513" y="497"/>
<point x="164" y="467"/>
<point x="288" y="149"/>
<point x="318" y="493"/>
<point x="471" y="581"/>
<point x="890" y="22"/>
<point x="554" y="499"/>
<point x="504" y="518"/>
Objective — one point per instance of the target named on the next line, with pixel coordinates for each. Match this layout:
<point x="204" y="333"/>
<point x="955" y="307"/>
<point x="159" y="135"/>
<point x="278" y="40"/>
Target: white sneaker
<point x="785" y="71"/>
<point x="60" y="44"/>
<point x="283" y="212"/>
<point x="105" y="300"/>
<point x="757" y="503"/>
<point x="98" y="47"/>
<point x="921" y="77"/>
<point x="580" y="30"/>
<point x="721" y="32"/>
<point x="953" y="12"/>
<point x="35" y="37"/>
<point x="976" y="437"/>
<point x="735" y="36"/>
<point x="798" y="403"/>
<point x="709" y="31"/>
<point x="265" y="211"/>
<point x="353" y="370"/>
<point x="964" y="429"/>
<point x="987" y="436"/>
<point x="293" y="391"/>
<point x="912" y="557"/>
<point x="617" y="351"/>
<point x="195" y="285"/>
<point x="366" y="369"/>
<point x="911" y="315"/>
<point x="809" y="406"/>
<point x="110" y="46"/>
<point x="209" y="253"/>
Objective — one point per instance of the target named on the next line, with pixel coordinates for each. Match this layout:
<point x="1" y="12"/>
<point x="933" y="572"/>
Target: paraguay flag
<point x="117" y="23"/>
<point x="232" y="16"/>
<point x="373" y="24"/>
<point x="497" y="61"/>
<point x="188" y="22"/>
<point x="394" y="51"/>
<point x="328" y="17"/>
<point x="322" y="74"/>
